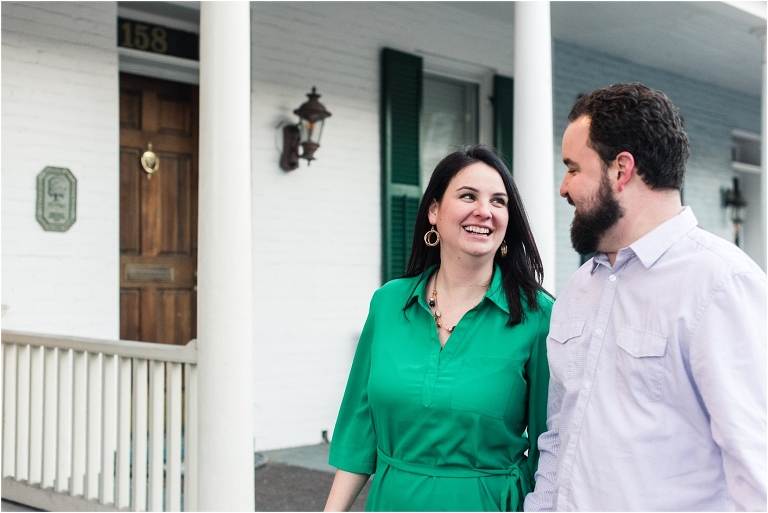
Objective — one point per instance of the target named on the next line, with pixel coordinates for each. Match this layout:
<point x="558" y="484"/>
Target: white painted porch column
<point x="534" y="144"/>
<point x="764" y="160"/>
<point x="224" y="305"/>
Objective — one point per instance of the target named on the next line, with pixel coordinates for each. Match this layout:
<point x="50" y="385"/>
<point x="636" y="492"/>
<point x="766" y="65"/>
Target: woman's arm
<point x="346" y="487"/>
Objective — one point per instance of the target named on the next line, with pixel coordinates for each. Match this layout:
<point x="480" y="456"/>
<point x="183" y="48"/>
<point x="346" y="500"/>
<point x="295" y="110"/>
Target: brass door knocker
<point x="150" y="162"/>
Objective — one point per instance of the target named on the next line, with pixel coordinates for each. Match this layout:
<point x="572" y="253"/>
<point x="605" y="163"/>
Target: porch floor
<point x="296" y="479"/>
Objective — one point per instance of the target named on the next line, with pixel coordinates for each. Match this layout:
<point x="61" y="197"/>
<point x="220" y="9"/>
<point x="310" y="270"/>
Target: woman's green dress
<point x="445" y="430"/>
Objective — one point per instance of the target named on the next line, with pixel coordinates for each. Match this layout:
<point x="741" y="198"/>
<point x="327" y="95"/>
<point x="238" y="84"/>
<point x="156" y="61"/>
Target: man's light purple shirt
<point x="657" y="396"/>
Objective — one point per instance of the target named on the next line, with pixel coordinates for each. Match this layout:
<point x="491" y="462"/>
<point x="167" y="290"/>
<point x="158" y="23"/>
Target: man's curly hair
<point x="641" y="121"/>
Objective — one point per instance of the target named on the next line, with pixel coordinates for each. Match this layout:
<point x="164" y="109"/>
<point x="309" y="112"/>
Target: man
<point x="657" y="346"/>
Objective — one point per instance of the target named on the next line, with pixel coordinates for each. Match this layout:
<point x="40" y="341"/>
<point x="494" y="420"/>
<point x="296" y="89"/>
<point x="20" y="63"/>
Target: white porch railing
<point x="96" y="425"/>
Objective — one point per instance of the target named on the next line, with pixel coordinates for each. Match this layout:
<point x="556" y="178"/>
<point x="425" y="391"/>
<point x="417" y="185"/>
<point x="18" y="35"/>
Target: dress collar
<point x="495" y="292"/>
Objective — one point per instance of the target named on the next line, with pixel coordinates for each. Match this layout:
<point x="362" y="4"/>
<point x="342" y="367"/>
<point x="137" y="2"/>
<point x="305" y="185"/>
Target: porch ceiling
<point x="709" y="41"/>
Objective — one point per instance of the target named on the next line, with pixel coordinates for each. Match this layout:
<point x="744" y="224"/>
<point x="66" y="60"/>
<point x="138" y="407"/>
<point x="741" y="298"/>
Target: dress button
<point x="586" y="384"/>
<point x="636" y="349"/>
<point x="598" y="331"/>
<point x="612" y="277"/>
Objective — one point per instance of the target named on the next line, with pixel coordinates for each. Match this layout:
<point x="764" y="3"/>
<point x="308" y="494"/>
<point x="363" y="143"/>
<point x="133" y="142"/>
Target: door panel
<point x="158" y="216"/>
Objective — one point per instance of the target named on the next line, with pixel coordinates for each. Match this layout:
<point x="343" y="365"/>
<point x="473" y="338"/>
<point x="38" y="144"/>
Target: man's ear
<point x="432" y="212"/>
<point x="625" y="169"/>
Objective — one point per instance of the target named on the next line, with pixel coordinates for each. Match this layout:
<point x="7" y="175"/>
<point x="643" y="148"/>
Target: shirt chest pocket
<point x="484" y="385"/>
<point x="567" y="348"/>
<point x="640" y="363"/>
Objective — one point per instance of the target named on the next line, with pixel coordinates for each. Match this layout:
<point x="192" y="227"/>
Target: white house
<point x="286" y="261"/>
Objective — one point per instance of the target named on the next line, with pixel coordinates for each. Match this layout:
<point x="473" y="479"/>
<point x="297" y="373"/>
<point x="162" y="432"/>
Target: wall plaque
<point x="56" y="199"/>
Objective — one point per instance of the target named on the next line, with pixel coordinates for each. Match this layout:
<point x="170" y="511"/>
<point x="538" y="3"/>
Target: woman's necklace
<point x="433" y="304"/>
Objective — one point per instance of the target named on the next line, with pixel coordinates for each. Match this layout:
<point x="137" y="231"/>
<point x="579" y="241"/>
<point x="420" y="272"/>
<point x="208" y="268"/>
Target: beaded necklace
<point x="433" y="304"/>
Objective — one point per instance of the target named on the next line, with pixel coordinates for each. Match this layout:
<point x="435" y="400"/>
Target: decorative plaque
<point x="56" y="199"/>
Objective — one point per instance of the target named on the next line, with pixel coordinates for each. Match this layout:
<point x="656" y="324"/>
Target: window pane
<point x="449" y="120"/>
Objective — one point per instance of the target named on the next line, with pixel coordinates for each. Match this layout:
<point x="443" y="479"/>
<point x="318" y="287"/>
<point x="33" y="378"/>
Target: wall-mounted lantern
<point x="735" y="199"/>
<point x="306" y="133"/>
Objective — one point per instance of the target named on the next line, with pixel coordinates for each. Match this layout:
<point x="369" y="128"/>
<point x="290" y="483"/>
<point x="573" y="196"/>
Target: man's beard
<point x="588" y="227"/>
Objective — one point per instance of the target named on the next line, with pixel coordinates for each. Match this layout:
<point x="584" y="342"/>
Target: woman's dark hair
<point x="521" y="270"/>
<point x="642" y="121"/>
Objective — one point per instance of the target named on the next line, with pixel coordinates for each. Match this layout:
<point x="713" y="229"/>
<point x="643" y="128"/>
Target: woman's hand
<point x="346" y="487"/>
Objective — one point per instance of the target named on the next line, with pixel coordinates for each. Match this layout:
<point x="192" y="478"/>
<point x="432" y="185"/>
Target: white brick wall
<point x="317" y="230"/>
<point x="60" y="108"/>
<point x="710" y="113"/>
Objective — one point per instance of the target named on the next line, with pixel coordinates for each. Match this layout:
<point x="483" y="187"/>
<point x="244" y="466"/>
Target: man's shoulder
<point x="710" y="253"/>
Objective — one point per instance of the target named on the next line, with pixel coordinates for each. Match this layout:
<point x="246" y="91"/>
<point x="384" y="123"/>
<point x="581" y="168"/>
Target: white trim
<point x="754" y="8"/>
<point x="158" y="19"/>
<point x="48" y="500"/>
<point x="158" y="66"/>
<point x="744" y="134"/>
<point x="124" y="348"/>
<point x="746" y="168"/>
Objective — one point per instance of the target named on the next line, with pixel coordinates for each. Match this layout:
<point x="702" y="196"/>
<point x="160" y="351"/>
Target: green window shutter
<point x="504" y="116"/>
<point x="401" y="84"/>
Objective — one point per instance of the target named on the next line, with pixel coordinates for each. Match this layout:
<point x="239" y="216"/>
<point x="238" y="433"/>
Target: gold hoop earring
<point x="503" y="248"/>
<point x="428" y="236"/>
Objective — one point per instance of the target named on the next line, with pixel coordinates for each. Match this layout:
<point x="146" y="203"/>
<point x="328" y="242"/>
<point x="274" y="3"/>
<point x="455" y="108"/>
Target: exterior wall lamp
<point x="735" y="199"/>
<point x="306" y="133"/>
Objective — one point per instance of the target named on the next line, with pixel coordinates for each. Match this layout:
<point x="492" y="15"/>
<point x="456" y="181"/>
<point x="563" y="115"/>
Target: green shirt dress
<point x="445" y="429"/>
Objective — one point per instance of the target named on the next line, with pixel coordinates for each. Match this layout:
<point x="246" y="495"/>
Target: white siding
<point x="60" y="108"/>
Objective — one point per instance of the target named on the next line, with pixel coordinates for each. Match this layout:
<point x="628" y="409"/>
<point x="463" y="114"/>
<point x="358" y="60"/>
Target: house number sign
<point x="56" y="199"/>
<point x="148" y="37"/>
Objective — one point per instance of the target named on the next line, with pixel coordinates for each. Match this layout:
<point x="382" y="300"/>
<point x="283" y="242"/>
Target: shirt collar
<point x="652" y="245"/>
<point x="495" y="292"/>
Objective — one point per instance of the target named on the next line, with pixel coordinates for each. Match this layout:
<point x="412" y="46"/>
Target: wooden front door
<point x="158" y="216"/>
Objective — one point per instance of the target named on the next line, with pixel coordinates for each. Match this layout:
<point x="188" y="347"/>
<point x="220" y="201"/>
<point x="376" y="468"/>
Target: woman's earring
<point x="503" y="248"/>
<point x="428" y="237"/>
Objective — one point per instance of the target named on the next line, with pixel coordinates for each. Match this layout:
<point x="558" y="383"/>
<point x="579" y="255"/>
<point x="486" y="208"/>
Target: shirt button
<point x="598" y="331"/>
<point x="563" y="492"/>
<point x="612" y="277"/>
<point x="586" y="384"/>
<point x="636" y="349"/>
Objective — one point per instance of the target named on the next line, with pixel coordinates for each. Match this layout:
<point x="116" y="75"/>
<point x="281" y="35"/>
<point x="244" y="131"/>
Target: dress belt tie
<point x="515" y="489"/>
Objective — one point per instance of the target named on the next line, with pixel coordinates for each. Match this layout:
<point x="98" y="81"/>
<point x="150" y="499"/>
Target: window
<point x="423" y="117"/>
<point x="449" y="120"/>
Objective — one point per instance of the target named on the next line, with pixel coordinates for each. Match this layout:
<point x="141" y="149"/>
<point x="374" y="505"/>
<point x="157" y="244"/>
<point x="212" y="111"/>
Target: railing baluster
<point x="139" y="434"/>
<point x="64" y="422"/>
<point x="50" y="417"/>
<point x="22" y="412"/>
<point x="173" y="437"/>
<point x="190" y="437"/>
<point x="123" y="456"/>
<point x="36" y="385"/>
<point x="10" y="352"/>
<point x="93" y="440"/>
<point x="79" y="425"/>
<point x="108" y="428"/>
<point x="156" y="438"/>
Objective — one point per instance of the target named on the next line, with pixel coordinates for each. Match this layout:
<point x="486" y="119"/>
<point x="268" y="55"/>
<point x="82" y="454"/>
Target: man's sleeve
<point x="549" y="443"/>
<point x="728" y="362"/>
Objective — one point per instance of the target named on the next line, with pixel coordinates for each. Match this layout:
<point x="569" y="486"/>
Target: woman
<point x="451" y="369"/>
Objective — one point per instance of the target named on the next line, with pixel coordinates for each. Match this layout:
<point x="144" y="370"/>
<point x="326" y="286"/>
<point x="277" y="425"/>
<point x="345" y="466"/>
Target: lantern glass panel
<point x="311" y="132"/>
